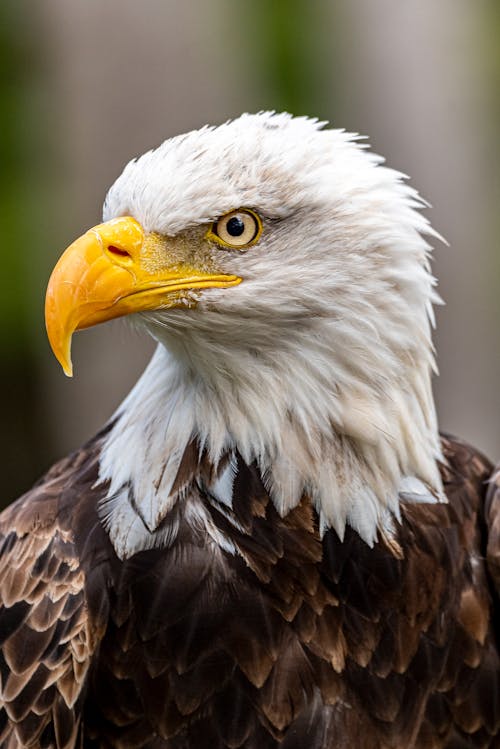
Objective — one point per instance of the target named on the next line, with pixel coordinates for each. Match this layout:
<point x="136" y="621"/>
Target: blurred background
<point x="87" y="84"/>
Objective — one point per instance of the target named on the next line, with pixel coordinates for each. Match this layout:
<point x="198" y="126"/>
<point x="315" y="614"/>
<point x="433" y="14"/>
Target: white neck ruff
<point x="354" y="452"/>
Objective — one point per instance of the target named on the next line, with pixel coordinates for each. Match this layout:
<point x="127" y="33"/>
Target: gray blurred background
<point x="87" y="84"/>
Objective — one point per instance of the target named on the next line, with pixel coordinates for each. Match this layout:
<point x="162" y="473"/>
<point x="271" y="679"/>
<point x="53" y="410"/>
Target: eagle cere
<point x="269" y="545"/>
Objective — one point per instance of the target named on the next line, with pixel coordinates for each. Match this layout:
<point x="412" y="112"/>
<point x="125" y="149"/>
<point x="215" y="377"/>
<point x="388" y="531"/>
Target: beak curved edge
<point x="85" y="281"/>
<point x="103" y="275"/>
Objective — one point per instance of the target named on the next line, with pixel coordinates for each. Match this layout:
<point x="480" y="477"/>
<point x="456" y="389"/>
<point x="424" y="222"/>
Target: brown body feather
<point x="294" y="642"/>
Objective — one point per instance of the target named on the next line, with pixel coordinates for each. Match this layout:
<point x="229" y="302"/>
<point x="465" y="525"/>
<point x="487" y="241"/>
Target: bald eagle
<point x="269" y="545"/>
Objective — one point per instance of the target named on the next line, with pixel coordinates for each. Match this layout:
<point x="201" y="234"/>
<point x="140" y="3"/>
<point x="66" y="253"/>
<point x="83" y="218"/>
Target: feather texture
<point x="289" y="640"/>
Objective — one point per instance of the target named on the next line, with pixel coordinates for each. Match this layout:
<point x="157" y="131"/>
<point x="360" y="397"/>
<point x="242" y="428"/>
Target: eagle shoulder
<point x="473" y="484"/>
<point x="492" y="517"/>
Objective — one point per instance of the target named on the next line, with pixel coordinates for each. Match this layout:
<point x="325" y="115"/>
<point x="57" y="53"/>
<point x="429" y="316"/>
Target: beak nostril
<point x="118" y="251"/>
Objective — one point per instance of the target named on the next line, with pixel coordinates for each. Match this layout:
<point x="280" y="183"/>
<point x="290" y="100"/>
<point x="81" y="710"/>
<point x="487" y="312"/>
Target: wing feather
<point x="492" y="514"/>
<point x="48" y="632"/>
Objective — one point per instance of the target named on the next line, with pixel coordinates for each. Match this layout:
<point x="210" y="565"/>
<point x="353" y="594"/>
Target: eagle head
<point x="284" y="272"/>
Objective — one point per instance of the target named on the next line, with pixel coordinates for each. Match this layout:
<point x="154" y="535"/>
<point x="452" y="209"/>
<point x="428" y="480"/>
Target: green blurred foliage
<point x="287" y="41"/>
<point x="23" y="163"/>
<point x="25" y="157"/>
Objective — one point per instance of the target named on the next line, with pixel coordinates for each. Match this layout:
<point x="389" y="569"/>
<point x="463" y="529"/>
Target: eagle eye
<point x="237" y="229"/>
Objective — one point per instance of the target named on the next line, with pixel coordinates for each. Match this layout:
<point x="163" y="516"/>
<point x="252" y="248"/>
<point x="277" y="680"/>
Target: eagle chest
<point x="213" y="640"/>
<point x="288" y="640"/>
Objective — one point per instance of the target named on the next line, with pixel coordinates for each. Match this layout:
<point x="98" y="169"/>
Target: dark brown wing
<point x="48" y="627"/>
<point x="492" y="516"/>
<point x="461" y="642"/>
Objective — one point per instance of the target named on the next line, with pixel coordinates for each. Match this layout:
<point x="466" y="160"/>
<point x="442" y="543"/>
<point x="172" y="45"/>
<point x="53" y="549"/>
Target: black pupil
<point x="235" y="226"/>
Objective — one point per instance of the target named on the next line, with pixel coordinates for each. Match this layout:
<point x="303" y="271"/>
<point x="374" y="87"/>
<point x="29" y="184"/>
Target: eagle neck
<point x="350" y="481"/>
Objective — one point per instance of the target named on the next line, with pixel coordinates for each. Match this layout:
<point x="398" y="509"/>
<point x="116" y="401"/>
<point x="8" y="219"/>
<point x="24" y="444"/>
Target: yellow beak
<point x="112" y="270"/>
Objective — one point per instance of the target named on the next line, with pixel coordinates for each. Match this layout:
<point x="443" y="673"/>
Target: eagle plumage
<point x="268" y="545"/>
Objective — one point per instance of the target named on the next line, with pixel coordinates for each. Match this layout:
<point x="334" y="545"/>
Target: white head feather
<point x="318" y="365"/>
